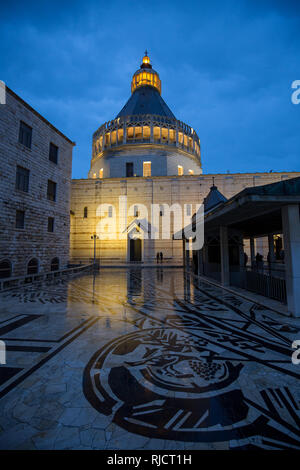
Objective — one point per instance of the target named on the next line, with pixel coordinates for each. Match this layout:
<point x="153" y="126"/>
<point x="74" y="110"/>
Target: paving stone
<point x="157" y="369"/>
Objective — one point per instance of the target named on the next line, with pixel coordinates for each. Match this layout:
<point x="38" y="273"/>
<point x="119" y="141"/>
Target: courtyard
<point x="145" y="358"/>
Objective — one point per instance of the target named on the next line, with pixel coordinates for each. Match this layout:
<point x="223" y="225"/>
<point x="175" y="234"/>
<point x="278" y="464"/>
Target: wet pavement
<point x="145" y="359"/>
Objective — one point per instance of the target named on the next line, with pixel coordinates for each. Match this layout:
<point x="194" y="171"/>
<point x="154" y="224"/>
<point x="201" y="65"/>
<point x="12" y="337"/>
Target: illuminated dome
<point x="146" y="76"/>
<point x="145" y="134"/>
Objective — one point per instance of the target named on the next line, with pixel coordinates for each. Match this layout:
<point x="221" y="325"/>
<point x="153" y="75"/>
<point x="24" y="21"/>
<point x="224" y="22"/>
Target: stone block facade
<point x="187" y="189"/>
<point x="20" y="245"/>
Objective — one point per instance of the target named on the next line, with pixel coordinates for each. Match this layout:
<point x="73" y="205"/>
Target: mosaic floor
<point x="145" y="359"/>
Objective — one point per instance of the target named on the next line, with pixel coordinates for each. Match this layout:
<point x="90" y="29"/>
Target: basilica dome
<point x="145" y="139"/>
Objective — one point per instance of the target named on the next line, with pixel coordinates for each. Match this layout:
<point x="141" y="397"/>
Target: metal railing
<point x="265" y="284"/>
<point x="16" y="282"/>
<point x="260" y="280"/>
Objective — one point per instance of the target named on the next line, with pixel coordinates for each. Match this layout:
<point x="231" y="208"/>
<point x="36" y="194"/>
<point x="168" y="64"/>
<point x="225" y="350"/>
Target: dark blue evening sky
<point x="226" y="69"/>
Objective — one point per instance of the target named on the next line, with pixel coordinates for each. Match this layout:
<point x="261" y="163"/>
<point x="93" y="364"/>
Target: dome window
<point x="180" y="170"/>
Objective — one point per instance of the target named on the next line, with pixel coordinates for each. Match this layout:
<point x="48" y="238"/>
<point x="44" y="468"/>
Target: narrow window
<point x="51" y="190"/>
<point x="53" y="153"/>
<point x="110" y="211"/>
<point x="20" y="219"/>
<point x="129" y="169"/>
<point x="25" y="134"/>
<point x="50" y="224"/>
<point x="55" y="264"/>
<point x="161" y="210"/>
<point x="85" y="213"/>
<point x="136" y="211"/>
<point x="188" y="210"/>
<point x="129" y="133"/>
<point x="101" y="173"/>
<point x="146" y="169"/>
<point x="22" y="179"/>
<point x="32" y="266"/>
<point x="180" y="170"/>
<point x="5" y="268"/>
<point x="191" y="172"/>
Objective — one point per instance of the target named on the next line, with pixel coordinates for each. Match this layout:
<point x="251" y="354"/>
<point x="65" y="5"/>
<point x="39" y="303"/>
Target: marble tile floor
<point x="145" y="359"/>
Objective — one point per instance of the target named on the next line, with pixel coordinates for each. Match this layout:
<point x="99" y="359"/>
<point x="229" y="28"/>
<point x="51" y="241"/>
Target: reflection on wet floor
<point x="145" y="358"/>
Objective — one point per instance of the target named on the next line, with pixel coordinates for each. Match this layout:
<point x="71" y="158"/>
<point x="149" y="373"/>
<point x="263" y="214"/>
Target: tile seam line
<point x="43" y="361"/>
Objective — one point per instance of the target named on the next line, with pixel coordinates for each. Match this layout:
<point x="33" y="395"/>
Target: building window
<point x="110" y="211"/>
<point x="51" y="191"/>
<point x="188" y="209"/>
<point x="101" y="173"/>
<point x="53" y="153"/>
<point x="5" y="269"/>
<point x="130" y="133"/>
<point x="22" y="179"/>
<point x="85" y="213"/>
<point x="94" y="175"/>
<point x="191" y="172"/>
<point x="50" y="224"/>
<point x="136" y="211"/>
<point x="55" y="264"/>
<point x="146" y="168"/>
<point x="20" y="219"/>
<point x="180" y="170"/>
<point x="129" y="169"/>
<point x="33" y="266"/>
<point x="161" y="210"/>
<point x="25" y="134"/>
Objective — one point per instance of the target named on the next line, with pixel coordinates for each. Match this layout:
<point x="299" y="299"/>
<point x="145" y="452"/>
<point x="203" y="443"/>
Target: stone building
<point x="145" y="156"/>
<point x="36" y="164"/>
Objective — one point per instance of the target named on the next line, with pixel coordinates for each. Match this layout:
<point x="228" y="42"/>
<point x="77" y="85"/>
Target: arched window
<point x="5" y="268"/>
<point x="32" y="266"/>
<point x="55" y="264"/>
<point x="85" y="212"/>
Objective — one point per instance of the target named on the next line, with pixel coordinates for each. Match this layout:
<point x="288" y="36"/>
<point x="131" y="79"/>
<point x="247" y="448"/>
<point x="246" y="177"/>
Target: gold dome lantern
<point x="146" y="76"/>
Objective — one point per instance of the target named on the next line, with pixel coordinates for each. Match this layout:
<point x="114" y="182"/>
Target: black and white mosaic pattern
<point x="146" y="359"/>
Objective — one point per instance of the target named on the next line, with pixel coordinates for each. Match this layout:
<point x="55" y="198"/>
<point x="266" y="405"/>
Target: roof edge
<point x="39" y="115"/>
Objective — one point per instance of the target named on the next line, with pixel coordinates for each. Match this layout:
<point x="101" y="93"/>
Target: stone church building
<point x="145" y="165"/>
<point x="147" y="157"/>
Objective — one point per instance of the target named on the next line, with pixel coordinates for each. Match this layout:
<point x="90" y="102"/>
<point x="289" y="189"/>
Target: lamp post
<point x="94" y="237"/>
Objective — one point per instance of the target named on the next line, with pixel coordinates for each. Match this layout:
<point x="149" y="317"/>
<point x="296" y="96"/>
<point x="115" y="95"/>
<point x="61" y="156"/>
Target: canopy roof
<point x="255" y="211"/>
<point x="213" y="199"/>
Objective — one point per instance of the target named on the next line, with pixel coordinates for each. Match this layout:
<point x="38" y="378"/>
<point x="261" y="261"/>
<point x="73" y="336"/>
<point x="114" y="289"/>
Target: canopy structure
<point x="257" y="212"/>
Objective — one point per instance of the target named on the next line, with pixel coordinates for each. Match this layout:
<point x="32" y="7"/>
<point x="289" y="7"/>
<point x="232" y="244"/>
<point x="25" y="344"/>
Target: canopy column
<point x="291" y="238"/>
<point x="225" y="274"/>
<point x="252" y="252"/>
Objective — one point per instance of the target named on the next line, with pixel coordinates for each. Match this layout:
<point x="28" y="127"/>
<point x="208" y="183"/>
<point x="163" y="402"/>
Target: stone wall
<point x="158" y="190"/>
<point x="34" y="241"/>
<point x="164" y="161"/>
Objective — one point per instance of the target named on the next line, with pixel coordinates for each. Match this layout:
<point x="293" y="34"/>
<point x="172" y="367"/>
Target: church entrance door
<point x="135" y="249"/>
